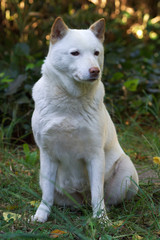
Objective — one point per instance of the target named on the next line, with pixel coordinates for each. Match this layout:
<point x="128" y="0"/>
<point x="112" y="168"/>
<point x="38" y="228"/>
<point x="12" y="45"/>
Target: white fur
<point x="79" y="149"/>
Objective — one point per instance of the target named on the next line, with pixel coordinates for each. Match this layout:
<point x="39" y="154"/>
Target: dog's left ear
<point x="59" y="30"/>
<point x="98" y="28"/>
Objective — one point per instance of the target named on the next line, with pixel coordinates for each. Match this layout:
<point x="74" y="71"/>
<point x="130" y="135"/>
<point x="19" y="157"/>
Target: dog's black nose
<point x="94" y="72"/>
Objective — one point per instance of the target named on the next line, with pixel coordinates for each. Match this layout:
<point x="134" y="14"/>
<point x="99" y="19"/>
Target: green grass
<point x="139" y="217"/>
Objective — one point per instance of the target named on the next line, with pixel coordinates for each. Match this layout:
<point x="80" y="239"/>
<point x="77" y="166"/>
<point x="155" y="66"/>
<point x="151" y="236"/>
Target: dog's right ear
<point x="59" y="30"/>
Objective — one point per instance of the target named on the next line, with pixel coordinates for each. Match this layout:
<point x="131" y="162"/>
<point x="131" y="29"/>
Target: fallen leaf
<point x="35" y="203"/>
<point x="28" y="172"/>
<point x="158" y="233"/>
<point x="11" y="207"/>
<point x="9" y="215"/>
<point x="156" y="160"/>
<point x="117" y="224"/>
<point x="56" y="233"/>
<point x="136" y="237"/>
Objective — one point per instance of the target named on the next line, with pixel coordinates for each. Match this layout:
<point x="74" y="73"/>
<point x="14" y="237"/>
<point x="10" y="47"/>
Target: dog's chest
<point x="61" y="125"/>
<point x="68" y="137"/>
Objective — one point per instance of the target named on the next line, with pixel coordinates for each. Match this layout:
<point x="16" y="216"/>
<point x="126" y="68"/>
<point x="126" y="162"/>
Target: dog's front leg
<point x="48" y="170"/>
<point x="96" y="169"/>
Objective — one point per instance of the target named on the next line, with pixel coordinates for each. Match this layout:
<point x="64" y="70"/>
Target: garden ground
<point x="136" y="219"/>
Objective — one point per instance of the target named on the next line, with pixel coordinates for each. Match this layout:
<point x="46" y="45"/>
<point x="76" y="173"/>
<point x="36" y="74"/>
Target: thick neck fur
<point x="68" y="96"/>
<point x="67" y="85"/>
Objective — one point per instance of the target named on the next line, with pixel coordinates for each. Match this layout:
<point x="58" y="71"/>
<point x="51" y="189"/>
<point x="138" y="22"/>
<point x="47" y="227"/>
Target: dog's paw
<point x="38" y="218"/>
<point x="41" y="214"/>
<point x="105" y="220"/>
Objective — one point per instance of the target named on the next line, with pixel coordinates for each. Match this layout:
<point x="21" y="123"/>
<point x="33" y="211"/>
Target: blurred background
<point x="132" y="58"/>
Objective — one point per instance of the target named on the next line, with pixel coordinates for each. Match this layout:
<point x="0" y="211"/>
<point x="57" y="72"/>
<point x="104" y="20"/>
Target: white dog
<point x="80" y="155"/>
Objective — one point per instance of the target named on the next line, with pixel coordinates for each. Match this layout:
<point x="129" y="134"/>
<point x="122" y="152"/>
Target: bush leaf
<point x="132" y="84"/>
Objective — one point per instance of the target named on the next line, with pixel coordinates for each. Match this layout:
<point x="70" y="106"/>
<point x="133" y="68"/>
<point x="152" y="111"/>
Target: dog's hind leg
<point x="48" y="170"/>
<point x="123" y="183"/>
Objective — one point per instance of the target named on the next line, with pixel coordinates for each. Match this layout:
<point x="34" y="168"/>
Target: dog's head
<point x="77" y="53"/>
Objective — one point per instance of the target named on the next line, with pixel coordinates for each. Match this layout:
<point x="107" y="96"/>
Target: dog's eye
<point x="96" y="53"/>
<point x="75" y="53"/>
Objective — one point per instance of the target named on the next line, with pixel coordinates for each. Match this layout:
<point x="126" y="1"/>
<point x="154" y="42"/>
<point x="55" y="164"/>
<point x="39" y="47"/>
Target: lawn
<point x="135" y="219"/>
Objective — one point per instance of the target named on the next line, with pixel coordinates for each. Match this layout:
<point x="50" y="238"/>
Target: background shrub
<point x="132" y="57"/>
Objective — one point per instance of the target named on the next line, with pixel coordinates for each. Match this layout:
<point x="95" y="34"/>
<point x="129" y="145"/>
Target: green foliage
<point x="16" y="103"/>
<point x="31" y="157"/>
<point x="131" y="68"/>
<point x="131" y="74"/>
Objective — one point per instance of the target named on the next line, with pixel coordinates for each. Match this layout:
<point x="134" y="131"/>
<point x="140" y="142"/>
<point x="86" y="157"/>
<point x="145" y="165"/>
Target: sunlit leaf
<point x="30" y="66"/>
<point x="2" y="74"/>
<point x="132" y="84"/>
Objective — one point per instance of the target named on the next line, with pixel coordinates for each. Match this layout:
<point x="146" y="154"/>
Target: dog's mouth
<point x="92" y="79"/>
<point x="89" y="80"/>
<point x="86" y="80"/>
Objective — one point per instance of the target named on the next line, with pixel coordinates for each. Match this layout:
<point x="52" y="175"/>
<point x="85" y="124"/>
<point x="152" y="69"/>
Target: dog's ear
<point x="59" y="30"/>
<point x="98" y="28"/>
